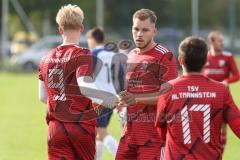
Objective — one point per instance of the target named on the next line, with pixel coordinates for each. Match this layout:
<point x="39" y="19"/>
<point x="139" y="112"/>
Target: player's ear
<point x="180" y="60"/>
<point x="61" y="30"/>
<point x="82" y="28"/>
<point x="155" y="30"/>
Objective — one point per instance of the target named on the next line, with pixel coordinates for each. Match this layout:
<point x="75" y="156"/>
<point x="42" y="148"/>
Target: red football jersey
<point x="145" y="74"/>
<point x="191" y="115"/>
<point x="59" y="70"/>
<point x="221" y="67"/>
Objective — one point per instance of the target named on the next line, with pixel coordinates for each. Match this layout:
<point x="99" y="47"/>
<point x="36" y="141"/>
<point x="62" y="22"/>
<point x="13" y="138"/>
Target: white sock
<point x="111" y="144"/>
<point x="99" y="149"/>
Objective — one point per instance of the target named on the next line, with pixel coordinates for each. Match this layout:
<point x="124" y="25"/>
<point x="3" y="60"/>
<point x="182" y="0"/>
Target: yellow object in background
<point x="21" y="41"/>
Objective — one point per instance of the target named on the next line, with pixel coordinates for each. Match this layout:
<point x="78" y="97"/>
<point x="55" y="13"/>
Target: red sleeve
<point x="84" y="65"/>
<point x="161" y="118"/>
<point x="231" y="113"/>
<point x="234" y="71"/>
<point x="168" y="67"/>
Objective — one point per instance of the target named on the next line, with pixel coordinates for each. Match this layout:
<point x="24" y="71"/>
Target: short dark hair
<point x="96" y="33"/>
<point x="144" y="14"/>
<point x="193" y="51"/>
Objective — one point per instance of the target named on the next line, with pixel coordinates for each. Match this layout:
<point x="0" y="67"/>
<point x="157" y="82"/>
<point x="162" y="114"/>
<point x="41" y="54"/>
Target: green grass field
<point x="23" y="131"/>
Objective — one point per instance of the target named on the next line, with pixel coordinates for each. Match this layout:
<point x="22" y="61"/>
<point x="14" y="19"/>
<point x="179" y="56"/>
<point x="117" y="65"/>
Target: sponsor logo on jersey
<point x="144" y="65"/>
<point x="221" y="63"/>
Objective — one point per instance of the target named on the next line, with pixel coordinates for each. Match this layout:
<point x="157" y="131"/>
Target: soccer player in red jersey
<point x="191" y="114"/>
<point x="148" y="66"/>
<point x="70" y="115"/>
<point x="220" y="66"/>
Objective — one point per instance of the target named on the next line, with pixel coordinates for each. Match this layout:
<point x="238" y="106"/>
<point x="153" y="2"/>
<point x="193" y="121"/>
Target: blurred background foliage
<point x="174" y="18"/>
<point x="118" y="13"/>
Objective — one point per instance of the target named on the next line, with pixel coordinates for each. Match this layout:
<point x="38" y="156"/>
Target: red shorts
<point x="71" y="141"/>
<point x="149" y="151"/>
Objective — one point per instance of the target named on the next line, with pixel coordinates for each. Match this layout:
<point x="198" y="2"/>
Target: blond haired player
<point x="71" y="125"/>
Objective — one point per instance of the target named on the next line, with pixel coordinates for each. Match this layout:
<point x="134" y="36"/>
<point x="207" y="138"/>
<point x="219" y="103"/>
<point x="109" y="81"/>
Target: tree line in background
<point x="118" y="14"/>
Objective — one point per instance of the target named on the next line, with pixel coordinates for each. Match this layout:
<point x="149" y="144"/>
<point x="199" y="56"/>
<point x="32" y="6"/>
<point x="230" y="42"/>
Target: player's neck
<point x="70" y="41"/>
<point x="150" y="46"/>
<point x="214" y="52"/>
<point x="100" y="45"/>
<point x="192" y="73"/>
<point x="71" y="38"/>
<point x="186" y="73"/>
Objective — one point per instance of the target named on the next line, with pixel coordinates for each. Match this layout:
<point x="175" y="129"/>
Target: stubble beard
<point x="144" y="46"/>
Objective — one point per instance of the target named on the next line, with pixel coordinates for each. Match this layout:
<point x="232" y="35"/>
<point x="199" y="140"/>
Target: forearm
<point x="235" y="126"/>
<point x="147" y="100"/>
<point x="233" y="78"/>
<point x="152" y="98"/>
<point x="234" y="72"/>
<point x="44" y="100"/>
<point x="88" y="89"/>
<point x="42" y="95"/>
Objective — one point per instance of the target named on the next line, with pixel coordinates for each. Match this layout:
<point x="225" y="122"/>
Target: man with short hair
<point x="191" y="114"/>
<point x="70" y="116"/>
<point x="221" y="67"/>
<point x="149" y="65"/>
